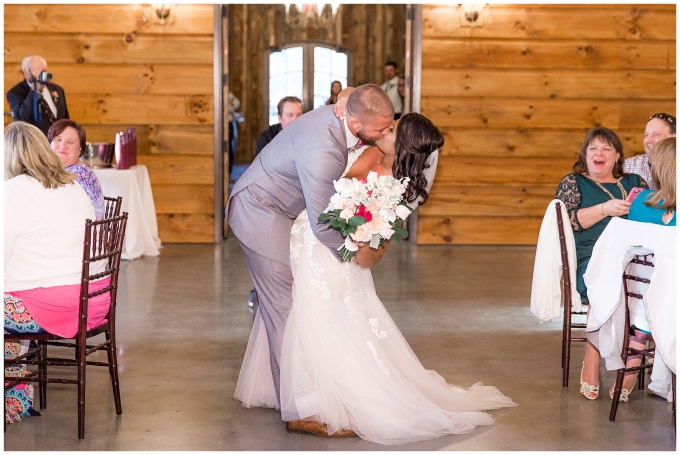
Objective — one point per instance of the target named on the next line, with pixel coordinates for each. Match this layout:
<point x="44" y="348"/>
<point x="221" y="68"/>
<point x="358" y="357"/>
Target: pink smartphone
<point x="633" y="193"/>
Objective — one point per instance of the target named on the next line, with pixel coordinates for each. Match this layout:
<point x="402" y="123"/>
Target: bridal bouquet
<point x="367" y="210"/>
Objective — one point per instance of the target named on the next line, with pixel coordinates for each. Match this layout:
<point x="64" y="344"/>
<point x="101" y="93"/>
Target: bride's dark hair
<point x="416" y="139"/>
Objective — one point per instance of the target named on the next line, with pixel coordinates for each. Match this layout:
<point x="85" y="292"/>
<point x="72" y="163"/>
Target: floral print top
<point x="88" y="180"/>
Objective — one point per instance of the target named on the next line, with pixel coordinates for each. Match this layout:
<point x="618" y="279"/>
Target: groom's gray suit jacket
<point x="293" y="172"/>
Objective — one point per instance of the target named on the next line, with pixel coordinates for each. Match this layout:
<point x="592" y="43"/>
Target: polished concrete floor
<point x="183" y="325"/>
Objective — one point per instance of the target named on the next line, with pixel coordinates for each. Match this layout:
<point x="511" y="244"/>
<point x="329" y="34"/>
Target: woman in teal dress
<point x="658" y="207"/>
<point x="593" y="193"/>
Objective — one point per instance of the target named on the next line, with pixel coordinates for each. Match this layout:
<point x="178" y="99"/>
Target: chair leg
<point x="641" y="373"/>
<point x="566" y="347"/>
<point x="564" y="343"/>
<point x="81" y="389"/>
<point x="673" y="388"/>
<point x="617" y="394"/>
<point x="113" y="371"/>
<point x="42" y="386"/>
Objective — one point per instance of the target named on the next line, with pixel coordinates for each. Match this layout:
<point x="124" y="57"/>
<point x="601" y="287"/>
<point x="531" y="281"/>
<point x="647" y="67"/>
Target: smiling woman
<point x="595" y="192"/>
<point x="67" y="140"/>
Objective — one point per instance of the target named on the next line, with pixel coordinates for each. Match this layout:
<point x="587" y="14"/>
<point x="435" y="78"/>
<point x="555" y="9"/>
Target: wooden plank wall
<point x="376" y="34"/>
<point x="515" y="98"/>
<point x="119" y="70"/>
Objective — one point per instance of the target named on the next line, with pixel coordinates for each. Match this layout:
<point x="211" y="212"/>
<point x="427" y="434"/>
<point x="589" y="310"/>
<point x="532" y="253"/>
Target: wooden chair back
<point x="567" y="325"/>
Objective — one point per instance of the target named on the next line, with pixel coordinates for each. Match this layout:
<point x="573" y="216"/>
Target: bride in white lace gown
<point x="344" y="362"/>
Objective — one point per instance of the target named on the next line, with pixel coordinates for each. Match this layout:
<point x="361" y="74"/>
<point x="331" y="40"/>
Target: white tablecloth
<point x="141" y="235"/>
<point x="603" y="278"/>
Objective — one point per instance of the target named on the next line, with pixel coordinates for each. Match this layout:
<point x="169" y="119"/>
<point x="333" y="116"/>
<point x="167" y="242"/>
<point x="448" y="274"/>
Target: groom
<point x="293" y="172"/>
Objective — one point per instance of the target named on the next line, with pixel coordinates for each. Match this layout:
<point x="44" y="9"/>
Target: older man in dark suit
<point x="296" y="171"/>
<point x="50" y="103"/>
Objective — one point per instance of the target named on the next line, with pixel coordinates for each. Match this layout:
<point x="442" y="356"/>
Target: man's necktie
<point x="45" y="108"/>
<point x="356" y="146"/>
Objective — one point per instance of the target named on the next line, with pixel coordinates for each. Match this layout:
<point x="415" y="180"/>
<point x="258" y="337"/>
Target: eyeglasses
<point x="665" y="117"/>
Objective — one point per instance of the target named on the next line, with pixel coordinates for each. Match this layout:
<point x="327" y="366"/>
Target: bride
<point x="346" y="369"/>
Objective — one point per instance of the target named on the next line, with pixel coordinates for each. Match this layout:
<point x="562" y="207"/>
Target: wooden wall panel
<point x="553" y="84"/>
<point x="494" y="230"/>
<point x="160" y="139"/>
<point x="120" y="69"/>
<point x="166" y="109"/>
<point x="375" y="32"/>
<point x="184" y="227"/>
<point x="467" y="199"/>
<point x="113" y="49"/>
<point x="178" y="169"/>
<point x="612" y="22"/>
<point x="180" y="198"/>
<point x="515" y="97"/>
<point x="115" y="19"/>
<point x="502" y="171"/>
<point x="508" y="142"/>
<point x="549" y="54"/>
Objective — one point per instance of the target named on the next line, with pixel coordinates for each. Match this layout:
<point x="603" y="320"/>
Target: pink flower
<point x="362" y="212"/>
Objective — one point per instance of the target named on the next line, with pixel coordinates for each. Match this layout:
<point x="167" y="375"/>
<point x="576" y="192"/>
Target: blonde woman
<point x="44" y="219"/>
<point x="658" y="206"/>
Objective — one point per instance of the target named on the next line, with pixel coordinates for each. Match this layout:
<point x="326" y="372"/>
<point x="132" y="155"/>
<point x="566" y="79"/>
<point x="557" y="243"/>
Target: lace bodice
<point x="352" y="158"/>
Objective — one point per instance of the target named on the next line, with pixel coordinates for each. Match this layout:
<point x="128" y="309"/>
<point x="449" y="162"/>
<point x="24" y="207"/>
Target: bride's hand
<point x="366" y="257"/>
<point x="340" y="106"/>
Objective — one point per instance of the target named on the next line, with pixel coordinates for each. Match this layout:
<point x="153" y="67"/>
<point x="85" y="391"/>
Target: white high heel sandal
<point x="587" y="390"/>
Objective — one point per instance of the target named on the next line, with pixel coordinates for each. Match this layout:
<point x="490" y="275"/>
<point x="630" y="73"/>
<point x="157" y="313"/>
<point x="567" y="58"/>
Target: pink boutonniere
<point x="55" y="95"/>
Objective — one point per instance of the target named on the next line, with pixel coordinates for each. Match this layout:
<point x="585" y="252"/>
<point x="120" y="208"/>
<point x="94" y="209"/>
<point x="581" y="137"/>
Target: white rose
<point x="339" y="185"/>
<point x="346" y="214"/>
<point x="402" y="211"/>
<point x="362" y="234"/>
<point x="386" y="233"/>
<point x="376" y="224"/>
<point x="372" y="177"/>
<point x="387" y="215"/>
<point x="337" y="202"/>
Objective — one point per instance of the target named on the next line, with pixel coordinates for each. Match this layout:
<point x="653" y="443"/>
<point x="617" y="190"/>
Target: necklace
<point x="624" y="193"/>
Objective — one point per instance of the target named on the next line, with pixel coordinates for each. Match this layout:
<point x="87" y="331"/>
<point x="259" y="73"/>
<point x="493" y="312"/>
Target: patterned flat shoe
<point x="591" y="392"/>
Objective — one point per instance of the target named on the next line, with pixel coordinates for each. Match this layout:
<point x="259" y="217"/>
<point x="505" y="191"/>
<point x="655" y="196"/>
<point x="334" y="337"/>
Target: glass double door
<point x="305" y="69"/>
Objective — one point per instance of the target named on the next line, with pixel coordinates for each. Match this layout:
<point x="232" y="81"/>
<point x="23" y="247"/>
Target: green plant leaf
<point x="357" y="220"/>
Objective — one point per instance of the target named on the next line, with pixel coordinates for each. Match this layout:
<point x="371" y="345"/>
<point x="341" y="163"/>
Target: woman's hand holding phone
<point x="632" y="194"/>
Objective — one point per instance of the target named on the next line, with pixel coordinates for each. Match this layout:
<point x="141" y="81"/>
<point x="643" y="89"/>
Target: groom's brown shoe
<point x="315" y="428"/>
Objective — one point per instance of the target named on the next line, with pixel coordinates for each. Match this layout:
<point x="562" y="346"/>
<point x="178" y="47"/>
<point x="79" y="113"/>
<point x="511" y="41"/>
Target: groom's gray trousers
<point x="274" y="287"/>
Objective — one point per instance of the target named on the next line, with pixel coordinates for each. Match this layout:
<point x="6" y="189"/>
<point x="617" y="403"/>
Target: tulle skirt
<point x="345" y="363"/>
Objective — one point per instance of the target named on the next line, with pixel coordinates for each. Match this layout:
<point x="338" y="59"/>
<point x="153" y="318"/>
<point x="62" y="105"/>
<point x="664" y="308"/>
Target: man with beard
<point x="295" y="171"/>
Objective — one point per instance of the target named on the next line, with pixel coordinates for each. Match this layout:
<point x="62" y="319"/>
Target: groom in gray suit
<point x="293" y="172"/>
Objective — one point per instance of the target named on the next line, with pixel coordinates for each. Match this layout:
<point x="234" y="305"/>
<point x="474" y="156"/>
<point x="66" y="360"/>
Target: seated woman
<point x="658" y="206"/>
<point x="67" y="139"/>
<point x="44" y="219"/>
<point x="593" y="193"/>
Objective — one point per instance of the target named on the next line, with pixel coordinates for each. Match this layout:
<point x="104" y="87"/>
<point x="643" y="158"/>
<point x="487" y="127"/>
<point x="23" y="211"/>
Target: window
<point x="285" y="78"/>
<point x="305" y="69"/>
